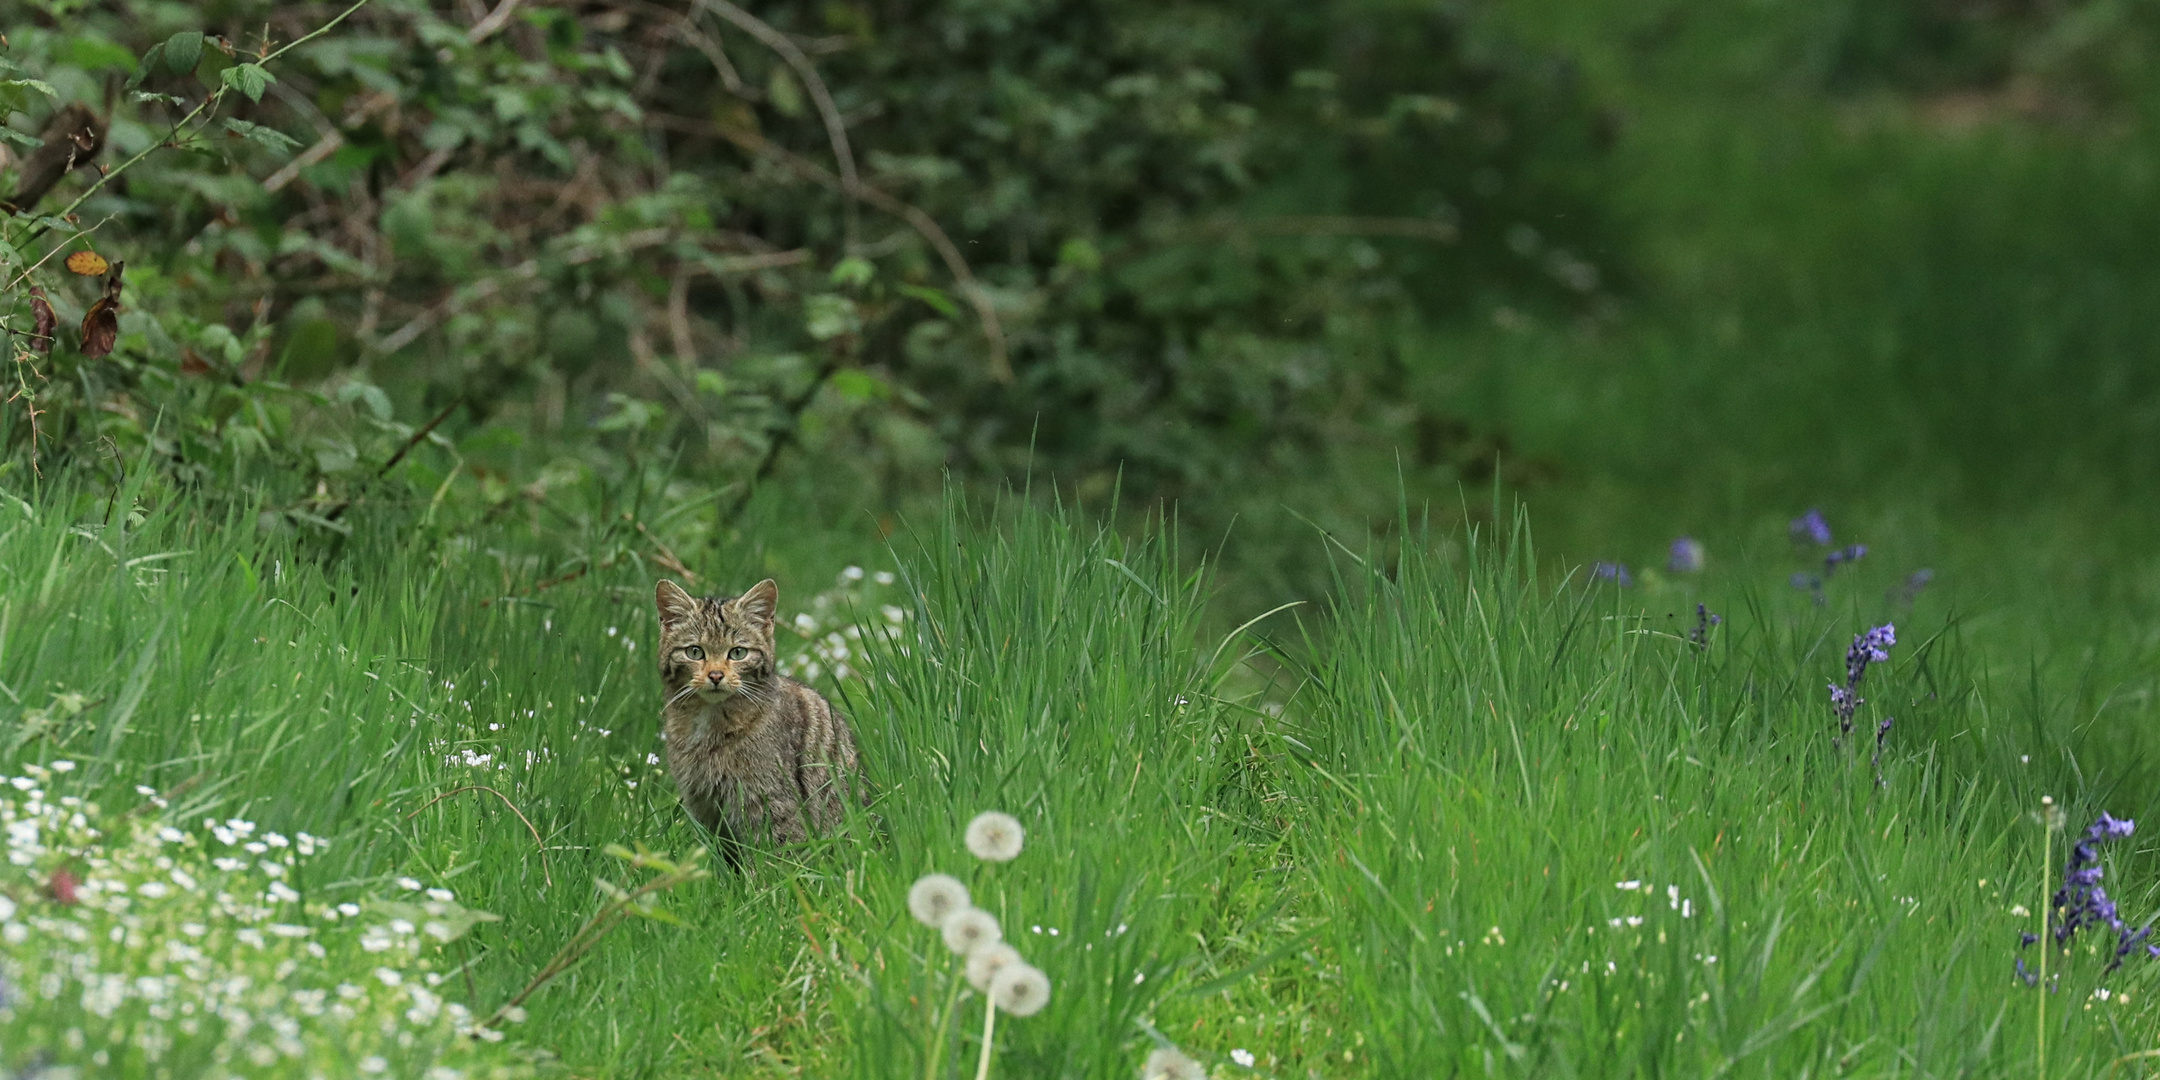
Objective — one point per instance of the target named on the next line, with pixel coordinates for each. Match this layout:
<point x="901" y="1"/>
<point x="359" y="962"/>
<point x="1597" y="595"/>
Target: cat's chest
<point x="713" y="741"/>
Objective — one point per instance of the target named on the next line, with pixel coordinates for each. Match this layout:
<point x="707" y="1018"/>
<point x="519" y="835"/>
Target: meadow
<point x="1468" y="817"/>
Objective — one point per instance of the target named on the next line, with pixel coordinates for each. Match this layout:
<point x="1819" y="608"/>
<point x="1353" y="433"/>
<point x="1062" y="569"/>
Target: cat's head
<point x="717" y="647"/>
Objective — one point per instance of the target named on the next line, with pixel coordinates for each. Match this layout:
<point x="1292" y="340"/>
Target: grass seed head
<point x="935" y="897"/>
<point x="1020" y="989"/>
<point x="970" y="929"/>
<point x="995" y="837"/>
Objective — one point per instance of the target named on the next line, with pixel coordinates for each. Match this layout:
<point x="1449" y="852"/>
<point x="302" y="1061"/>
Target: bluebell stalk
<point x="1871" y="647"/>
<point x="1704" y="620"/>
<point x="1882" y="732"/>
<point x="2083" y="901"/>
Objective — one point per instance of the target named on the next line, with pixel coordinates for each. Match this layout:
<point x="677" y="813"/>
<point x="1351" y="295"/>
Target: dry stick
<point x="542" y="587"/>
<point x="686" y="30"/>
<point x="415" y="440"/>
<point x="665" y="555"/>
<point x="922" y="223"/>
<point x="588" y="936"/>
<point x="835" y="129"/>
<point x="549" y="878"/>
<point x="523" y="271"/>
<point x="495" y="20"/>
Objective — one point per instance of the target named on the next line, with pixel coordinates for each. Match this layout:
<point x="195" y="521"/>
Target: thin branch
<point x="922" y="223"/>
<point x="835" y="128"/>
<point x="549" y="878"/>
<point x="686" y="30"/>
<point x="496" y="20"/>
<point x="415" y="440"/>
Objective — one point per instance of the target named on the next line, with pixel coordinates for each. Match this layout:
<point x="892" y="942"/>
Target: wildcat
<point x="756" y="755"/>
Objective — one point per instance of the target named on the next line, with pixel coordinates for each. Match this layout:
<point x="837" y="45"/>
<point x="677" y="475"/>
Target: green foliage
<point x="1173" y="241"/>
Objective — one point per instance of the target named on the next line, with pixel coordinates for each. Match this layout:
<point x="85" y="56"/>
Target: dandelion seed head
<point x="1170" y="1063"/>
<point x="984" y="963"/>
<point x="970" y="929"/>
<point x="935" y="897"/>
<point x="995" y="837"/>
<point x="1020" y="989"/>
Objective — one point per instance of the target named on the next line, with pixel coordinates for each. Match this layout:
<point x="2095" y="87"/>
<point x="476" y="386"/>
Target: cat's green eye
<point x="694" y="653"/>
<point x="737" y="653"/>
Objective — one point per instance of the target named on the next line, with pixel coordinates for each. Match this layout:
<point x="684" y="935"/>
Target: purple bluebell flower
<point x="1614" y="572"/>
<point x="1870" y="647"/>
<point x="1686" y="556"/>
<point x="1841" y="556"/>
<point x="1811" y="528"/>
<point x="1914" y="582"/>
<point x="2083" y="901"/>
<point x="1704" y="620"/>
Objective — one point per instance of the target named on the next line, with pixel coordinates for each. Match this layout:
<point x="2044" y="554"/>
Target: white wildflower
<point x="1243" y="1057"/>
<point x="995" y="837"/>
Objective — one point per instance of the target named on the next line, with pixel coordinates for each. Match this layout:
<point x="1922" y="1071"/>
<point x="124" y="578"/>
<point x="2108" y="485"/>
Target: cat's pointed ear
<point x="675" y="604"/>
<point x="760" y="603"/>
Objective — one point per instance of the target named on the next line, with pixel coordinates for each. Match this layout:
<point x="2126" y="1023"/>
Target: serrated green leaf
<point x="16" y="138"/>
<point x="38" y="85"/>
<point x="145" y="96"/>
<point x="249" y="79"/>
<point x="264" y="136"/>
<point x="182" y="52"/>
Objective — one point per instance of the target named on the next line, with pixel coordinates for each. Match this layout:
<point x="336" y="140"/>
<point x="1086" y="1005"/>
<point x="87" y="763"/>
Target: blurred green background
<point x="693" y="284"/>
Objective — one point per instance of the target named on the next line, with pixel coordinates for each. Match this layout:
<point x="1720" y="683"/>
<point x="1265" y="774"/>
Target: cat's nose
<point x="715" y="676"/>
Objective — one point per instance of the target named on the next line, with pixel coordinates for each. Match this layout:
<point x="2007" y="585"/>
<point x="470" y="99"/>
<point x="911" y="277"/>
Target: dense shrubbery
<point x="599" y="238"/>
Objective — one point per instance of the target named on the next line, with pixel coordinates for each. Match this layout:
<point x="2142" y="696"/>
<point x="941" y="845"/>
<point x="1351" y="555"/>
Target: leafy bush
<point x="586" y="239"/>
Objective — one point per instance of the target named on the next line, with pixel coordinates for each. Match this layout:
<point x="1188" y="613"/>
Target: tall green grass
<point x="1385" y="846"/>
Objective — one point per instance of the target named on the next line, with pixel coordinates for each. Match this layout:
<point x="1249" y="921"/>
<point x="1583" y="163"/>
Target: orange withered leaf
<point x="87" y="263"/>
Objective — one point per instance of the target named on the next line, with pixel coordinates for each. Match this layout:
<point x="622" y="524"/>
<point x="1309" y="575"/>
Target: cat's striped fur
<point x="756" y="755"/>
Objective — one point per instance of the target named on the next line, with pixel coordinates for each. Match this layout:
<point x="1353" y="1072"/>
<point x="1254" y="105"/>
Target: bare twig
<point x="922" y="223"/>
<point x="665" y="555"/>
<point x="524" y="271"/>
<point x="496" y="20"/>
<point x="686" y="30"/>
<point x="1347" y="225"/>
<point x="835" y="128"/>
<point x="542" y="844"/>
<point x="543" y="586"/>
<point x="415" y="440"/>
